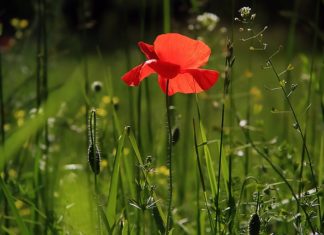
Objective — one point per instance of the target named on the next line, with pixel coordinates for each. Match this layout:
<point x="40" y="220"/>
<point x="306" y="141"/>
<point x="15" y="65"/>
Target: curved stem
<point x="169" y="157"/>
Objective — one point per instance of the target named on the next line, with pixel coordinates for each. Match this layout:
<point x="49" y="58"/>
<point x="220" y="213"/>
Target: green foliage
<point x="48" y="187"/>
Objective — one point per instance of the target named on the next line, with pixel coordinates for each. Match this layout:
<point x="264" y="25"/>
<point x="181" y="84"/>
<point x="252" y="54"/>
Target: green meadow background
<point x="62" y="62"/>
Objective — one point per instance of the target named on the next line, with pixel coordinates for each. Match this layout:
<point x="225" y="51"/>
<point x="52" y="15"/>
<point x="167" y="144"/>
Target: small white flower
<point x="240" y="153"/>
<point x="191" y="27"/>
<point x="208" y="20"/>
<point x="245" y="11"/>
<point x="243" y="123"/>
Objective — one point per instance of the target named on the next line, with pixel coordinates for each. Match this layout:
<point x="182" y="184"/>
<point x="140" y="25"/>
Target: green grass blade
<point x="104" y="219"/>
<point x="112" y="198"/>
<point x="209" y="163"/>
<point x="202" y="221"/>
<point x="21" y="225"/>
<point x="125" y="228"/>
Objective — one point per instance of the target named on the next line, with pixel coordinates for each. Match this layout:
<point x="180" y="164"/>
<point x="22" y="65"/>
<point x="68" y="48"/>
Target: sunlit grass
<point x="130" y="196"/>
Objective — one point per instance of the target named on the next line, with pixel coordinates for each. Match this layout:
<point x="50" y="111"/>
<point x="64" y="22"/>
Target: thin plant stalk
<point x="39" y="60"/>
<point x="220" y="165"/>
<point x="309" y="95"/>
<point x="201" y="176"/>
<point x="289" y="54"/>
<point x="149" y="114"/>
<point x="44" y="85"/>
<point x="302" y="136"/>
<point x="229" y="76"/>
<point x="97" y="202"/>
<point x="228" y="63"/>
<point x="169" y="158"/>
<point x="166" y="16"/>
<point x="184" y="161"/>
<point x="3" y="138"/>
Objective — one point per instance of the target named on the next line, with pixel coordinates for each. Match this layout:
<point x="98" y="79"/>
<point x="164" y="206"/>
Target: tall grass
<point x="212" y="189"/>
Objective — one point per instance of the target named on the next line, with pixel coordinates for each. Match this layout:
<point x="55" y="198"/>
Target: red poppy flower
<point x="178" y="58"/>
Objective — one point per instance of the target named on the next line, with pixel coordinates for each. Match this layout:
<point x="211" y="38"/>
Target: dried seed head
<point x="254" y="225"/>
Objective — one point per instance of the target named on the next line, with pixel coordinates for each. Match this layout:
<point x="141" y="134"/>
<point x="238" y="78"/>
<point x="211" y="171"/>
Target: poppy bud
<point x="115" y="101"/>
<point x="96" y="86"/>
<point x="93" y="150"/>
<point x="175" y="135"/>
<point x="254" y="225"/>
<point x="94" y="158"/>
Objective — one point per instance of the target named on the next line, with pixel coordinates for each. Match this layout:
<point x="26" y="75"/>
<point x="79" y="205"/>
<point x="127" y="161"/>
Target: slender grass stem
<point x="308" y="100"/>
<point x="169" y="159"/>
<point x="148" y="99"/>
<point x="3" y="138"/>
<point x="302" y="136"/>
<point x="43" y="83"/>
<point x="39" y="56"/>
<point x="201" y="176"/>
<point x="166" y="16"/>
<point x="228" y="63"/>
<point x="219" y="166"/>
<point x="97" y="202"/>
<point x="289" y="54"/>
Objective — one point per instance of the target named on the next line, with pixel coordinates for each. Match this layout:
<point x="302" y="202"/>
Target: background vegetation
<point x="61" y="96"/>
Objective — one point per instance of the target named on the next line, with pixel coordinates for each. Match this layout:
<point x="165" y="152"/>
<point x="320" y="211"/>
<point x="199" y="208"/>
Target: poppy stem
<point x="169" y="159"/>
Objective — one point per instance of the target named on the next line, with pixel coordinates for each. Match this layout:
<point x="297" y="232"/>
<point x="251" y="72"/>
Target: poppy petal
<point x="165" y="69"/>
<point x="178" y="49"/>
<point x="137" y="74"/>
<point x="148" y="50"/>
<point x="192" y="81"/>
<point x="205" y="78"/>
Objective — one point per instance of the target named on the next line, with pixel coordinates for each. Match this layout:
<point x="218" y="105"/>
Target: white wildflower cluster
<point x="245" y="12"/>
<point x="206" y="20"/>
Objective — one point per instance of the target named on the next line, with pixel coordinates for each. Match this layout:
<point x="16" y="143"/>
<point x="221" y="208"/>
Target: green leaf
<point x="125" y="228"/>
<point x="112" y="198"/>
<point x="209" y="162"/>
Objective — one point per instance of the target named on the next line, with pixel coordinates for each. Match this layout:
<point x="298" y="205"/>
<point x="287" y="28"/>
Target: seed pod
<point x="254" y="225"/>
<point x="94" y="158"/>
<point x="175" y="135"/>
<point x="93" y="150"/>
<point x="96" y="86"/>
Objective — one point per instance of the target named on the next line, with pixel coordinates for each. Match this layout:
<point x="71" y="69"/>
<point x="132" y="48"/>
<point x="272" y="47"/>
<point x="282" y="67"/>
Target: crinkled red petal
<point x="191" y="81"/>
<point x="148" y="50"/>
<point x="178" y="49"/>
<point x="137" y="74"/>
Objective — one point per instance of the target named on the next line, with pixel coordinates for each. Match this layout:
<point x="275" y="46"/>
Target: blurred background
<point x="114" y="23"/>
